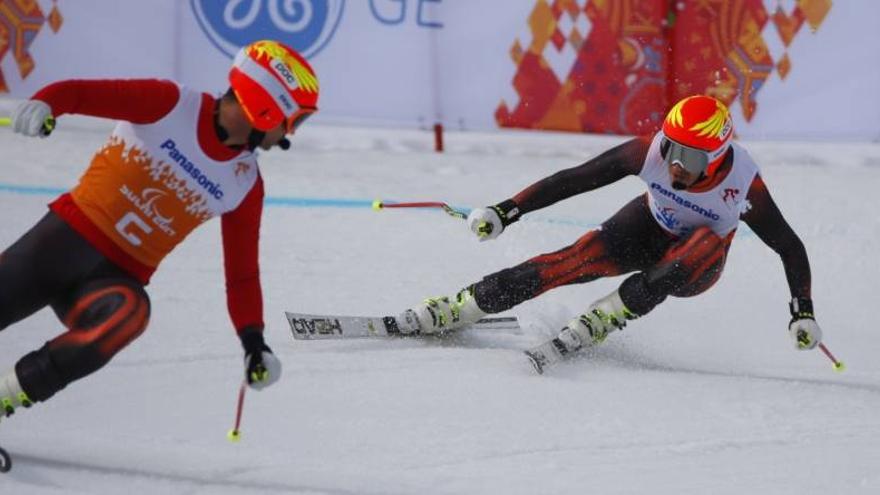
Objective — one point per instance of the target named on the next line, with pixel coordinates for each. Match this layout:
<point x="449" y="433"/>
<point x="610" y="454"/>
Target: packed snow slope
<point x="704" y="395"/>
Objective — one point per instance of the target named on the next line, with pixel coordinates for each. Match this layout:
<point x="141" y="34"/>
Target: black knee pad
<point x="38" y="375"/>
<point x="638" y="296"/>
<point x="667" y="278"/>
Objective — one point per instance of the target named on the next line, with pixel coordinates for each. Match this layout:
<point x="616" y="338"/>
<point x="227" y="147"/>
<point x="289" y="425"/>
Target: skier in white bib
<point x="675" y="237"/>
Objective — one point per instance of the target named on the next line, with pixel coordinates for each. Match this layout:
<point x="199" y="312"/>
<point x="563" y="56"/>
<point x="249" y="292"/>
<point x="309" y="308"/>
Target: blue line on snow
<point x="291" y="202"/>
<point x="294" y="202"/>
<point x="30" y="190"/>
<point x="282" y="201"/>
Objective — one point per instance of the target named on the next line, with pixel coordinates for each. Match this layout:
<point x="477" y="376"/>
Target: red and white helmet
<point x="699" y="130"/>
<point x="274" y="84"/>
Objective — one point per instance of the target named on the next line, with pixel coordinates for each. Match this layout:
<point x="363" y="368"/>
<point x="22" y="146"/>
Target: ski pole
<point x="379" y="205"/>
<point x="234" y="434"/>
<point x="838" y="365"/>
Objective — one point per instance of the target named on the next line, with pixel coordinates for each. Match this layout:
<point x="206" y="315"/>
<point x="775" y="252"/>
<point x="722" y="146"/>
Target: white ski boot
<point x="11" y="394"/>
<point x="587" y="330"/>
<point x="440" y="314"/>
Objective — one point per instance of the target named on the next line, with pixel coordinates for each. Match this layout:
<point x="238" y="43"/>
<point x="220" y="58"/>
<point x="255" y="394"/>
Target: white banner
<point x="466" y="63"/>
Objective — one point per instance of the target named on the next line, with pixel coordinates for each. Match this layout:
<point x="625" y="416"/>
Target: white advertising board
<point x="416" y="62"/>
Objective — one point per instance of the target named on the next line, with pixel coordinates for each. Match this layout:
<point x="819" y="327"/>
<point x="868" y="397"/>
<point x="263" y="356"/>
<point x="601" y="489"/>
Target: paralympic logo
<point x="306" y="25"/>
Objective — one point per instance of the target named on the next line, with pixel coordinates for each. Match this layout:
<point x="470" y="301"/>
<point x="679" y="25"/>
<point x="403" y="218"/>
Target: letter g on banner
<point x="306" y="25"/>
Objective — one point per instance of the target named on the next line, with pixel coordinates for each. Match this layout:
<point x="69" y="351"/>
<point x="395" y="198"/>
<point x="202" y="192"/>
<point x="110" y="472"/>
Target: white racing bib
<point x="681" y="212"/>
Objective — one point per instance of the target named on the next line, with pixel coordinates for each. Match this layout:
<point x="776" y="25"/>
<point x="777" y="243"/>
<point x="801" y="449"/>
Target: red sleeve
<point x="139" y="101"/>
<point x="241" y="239"/>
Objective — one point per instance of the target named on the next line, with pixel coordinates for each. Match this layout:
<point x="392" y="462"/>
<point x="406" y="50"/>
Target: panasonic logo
<point x="191" y="169"/>
<point x="685" y="203"/>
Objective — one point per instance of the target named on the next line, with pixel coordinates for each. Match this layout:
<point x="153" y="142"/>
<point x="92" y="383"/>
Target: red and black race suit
<point x="633" y="241"/>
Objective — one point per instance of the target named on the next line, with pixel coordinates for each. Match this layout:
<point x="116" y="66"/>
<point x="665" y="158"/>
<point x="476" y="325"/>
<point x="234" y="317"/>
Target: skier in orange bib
<point x="177" y="158"/>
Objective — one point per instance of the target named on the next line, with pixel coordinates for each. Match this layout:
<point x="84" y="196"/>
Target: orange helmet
<point x="699" y="130"/>
<point x="274" y="84"/>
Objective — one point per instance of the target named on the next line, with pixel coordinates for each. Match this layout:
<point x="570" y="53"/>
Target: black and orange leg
<point x="585" y="260"/>
<point x="627" y="241"/>
<point x="688" y="268"/>
<point x="102" y="317"/>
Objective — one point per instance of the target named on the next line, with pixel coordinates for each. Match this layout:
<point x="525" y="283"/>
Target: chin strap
<point x="254" y="139"/>
<point x="700" y="179"/>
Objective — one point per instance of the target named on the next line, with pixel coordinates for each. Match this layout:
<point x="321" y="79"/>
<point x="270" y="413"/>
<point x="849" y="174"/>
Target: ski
<point x="547" y="354"/>
<point x="5" y="461"/>
<point x="323" y="327"/>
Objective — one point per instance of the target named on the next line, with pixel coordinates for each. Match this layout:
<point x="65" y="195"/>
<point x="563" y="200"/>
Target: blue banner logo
<point x="305" y="25"/>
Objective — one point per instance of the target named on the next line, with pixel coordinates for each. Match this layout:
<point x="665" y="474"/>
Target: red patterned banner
<point x="20" y="24"/>
<point x="616" y="66"/>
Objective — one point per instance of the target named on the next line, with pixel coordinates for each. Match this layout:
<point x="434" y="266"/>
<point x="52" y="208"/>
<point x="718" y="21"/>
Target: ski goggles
<point x="693" y="160"/>
<point x="294" y="121"/>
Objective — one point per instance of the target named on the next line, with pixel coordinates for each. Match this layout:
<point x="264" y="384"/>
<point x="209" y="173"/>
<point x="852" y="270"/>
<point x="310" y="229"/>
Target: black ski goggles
<point x="693" y="160"/>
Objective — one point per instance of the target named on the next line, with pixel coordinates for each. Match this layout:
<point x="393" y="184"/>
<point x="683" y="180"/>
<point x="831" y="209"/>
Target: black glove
<point x="261" y="367"/>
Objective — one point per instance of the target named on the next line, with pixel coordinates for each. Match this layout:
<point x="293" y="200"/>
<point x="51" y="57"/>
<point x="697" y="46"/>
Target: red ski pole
<point x="234" y="434"/>
<point x="838" y="365"/>
<point x="379" y="205"/>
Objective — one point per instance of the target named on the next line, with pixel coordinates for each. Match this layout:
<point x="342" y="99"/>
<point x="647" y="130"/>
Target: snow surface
<point x="702" y="396"/>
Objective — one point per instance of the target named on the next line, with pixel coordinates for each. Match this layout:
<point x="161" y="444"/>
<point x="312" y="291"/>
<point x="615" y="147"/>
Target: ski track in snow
<point x="207" y="481"/>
